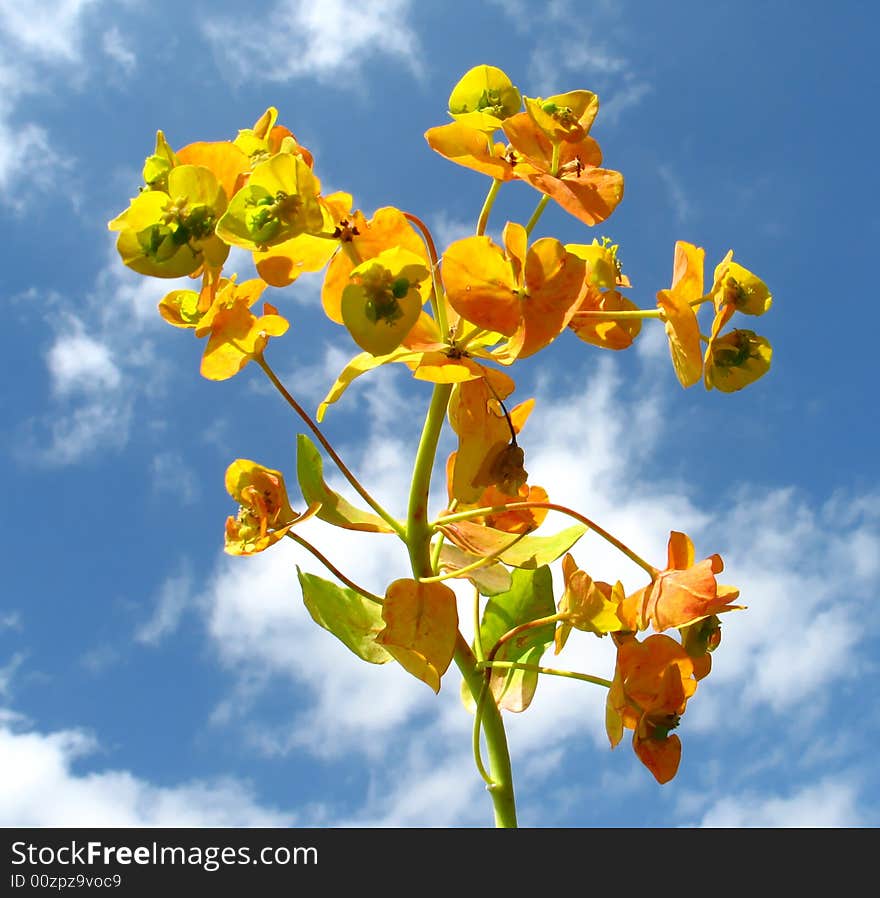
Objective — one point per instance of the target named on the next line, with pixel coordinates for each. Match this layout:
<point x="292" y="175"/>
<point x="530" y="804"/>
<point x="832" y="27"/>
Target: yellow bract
<point x="384" y="300"/>
<point x="170" y="233"/>
<point x="279" y="201"/>
<point x="566" y="116"/>
<point x="682" y="329"/>
<point x="736" y="360"/>
<point x="483" y="98"/>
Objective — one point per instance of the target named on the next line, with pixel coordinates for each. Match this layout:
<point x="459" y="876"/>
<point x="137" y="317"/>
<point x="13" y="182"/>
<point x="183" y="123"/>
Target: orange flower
<point x="528" y="293"/>
<point x="652" y="682"/>
<point x="576" y="181"/>
<point x="684" y="593"/>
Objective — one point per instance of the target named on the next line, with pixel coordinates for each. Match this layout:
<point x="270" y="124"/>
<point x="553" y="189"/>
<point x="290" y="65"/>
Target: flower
<point x="279" y="201"/>
<point x="526" y="293"/>
<point x="653" y="681"/>
<point x="265" y="515"/>
<point x="171" y="233"/>
<point x="384" y="300"/>
<point x="682" y="594"/>
<point x="589" y="604"/>
<point x="736" y="360"/>
<point x="483" y="97"/>
<point x="222" y="313"/>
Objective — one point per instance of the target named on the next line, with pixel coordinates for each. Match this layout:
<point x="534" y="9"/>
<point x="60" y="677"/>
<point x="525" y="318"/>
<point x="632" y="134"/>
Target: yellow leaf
<point x="421" y="626"/>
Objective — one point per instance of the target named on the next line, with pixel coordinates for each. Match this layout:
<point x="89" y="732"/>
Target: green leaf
<point x="529" y="598"/>
<point x="334" y="509"/>
<point x="530" y="552"/>
<point x="352" y="619"/>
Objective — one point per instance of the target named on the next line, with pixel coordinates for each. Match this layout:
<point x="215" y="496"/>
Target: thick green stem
<point x="418" y="530"/>
<point x="418" y="538"/>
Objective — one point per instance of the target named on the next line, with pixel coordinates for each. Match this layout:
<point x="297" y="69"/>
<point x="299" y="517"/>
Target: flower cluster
<point x="460" y="320"/>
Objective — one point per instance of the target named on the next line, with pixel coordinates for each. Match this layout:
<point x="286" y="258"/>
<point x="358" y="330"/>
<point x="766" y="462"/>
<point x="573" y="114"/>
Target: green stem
<point x="501" y="775"/>
<point x="570" y="674"/>
<point x="483" y="220"/>
<point x="418" y="538"/>
<point x="550" y="506"/>
<point x="539" y="209"/>
<point x="335" y="570"/>
<point x="418" y="532"/>
<point x="392" y="522"/>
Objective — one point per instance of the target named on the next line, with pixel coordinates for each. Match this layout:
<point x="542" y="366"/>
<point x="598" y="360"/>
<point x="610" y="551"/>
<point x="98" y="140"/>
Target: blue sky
<point x="147" y="679"/>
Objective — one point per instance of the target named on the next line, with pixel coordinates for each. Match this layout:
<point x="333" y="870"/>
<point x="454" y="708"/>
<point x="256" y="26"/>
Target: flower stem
<point x="438" y="298"/>
<point x="483" y="220"/>
<point x="570" y="674"/>
<point x="334" y="570"/>
<point x="392" y="522"/>
<point x="539" y="209"/>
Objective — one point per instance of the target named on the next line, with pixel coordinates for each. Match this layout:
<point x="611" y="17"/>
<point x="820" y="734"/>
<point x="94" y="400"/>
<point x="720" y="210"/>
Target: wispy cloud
<point x="321" y="41"/>
<point x="567" y="44"/>
<point x="173" y="599"/>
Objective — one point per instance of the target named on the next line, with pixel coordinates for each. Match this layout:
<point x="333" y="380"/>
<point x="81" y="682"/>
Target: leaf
<point x="334" y="509"/>
<point x="490" y="580"/>
<point x="529" y="598"/>
<point x="421" y="627"/>
<point x="352" y="619"/>
<point x="530" y="552"/>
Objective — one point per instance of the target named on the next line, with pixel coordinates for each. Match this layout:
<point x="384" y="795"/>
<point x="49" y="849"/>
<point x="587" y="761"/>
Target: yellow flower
<point x="567" y="117"/>
<point x="279" y="201"/>
<point x="264" y="515"/>
<point x="221" y="312"/>
<point x="736" y="360"/>
<point x="171" y="233"/>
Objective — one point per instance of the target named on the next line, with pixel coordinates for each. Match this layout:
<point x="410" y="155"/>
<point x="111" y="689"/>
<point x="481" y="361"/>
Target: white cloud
<point x="54" y="33"/>
<point x="41" y="788"/>
<point x="41" y="43"/>
<point x="173" y="599"/>
<point x="323" y="41"/>
<point x="118" y="49"/>
<point x="8" y="672"/>
<point x="832" y="802"/>
<point x="79" y="363"/>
